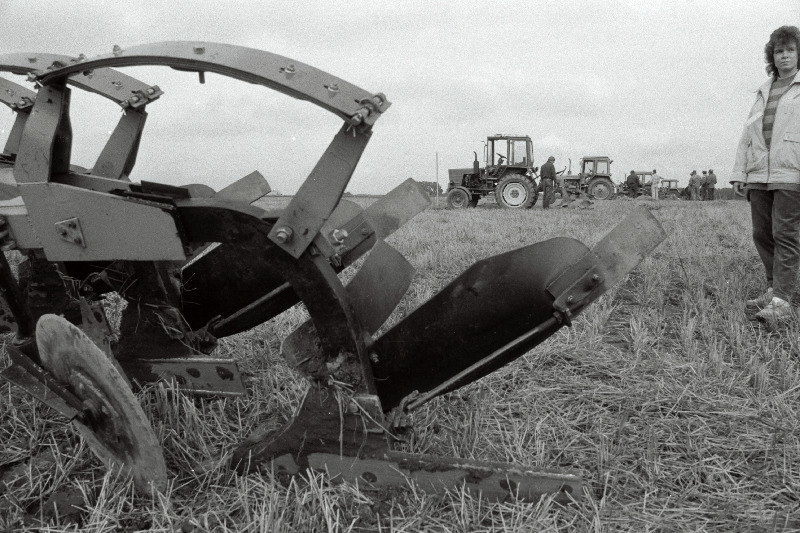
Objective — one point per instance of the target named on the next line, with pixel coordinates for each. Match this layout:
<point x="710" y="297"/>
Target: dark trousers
<point x="710" y="193"/>
<point x="633" y="190"/>
<point x="776" y="234"/>
<point x="548" y="193"/>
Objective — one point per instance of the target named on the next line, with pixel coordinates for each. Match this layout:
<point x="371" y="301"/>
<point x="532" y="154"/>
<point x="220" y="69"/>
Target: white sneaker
<point x="778" y="309"/>
<point x="762" y="301"/>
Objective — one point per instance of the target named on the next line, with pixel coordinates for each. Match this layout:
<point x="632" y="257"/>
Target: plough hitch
<point x="194" y="265"/>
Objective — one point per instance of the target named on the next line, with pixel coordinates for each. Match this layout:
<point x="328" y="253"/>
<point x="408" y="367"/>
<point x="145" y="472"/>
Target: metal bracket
<point x="142" y="97"/>
<point x="70" y="230"/>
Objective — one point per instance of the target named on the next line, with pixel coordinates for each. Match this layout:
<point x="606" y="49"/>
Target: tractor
<point x="593" y="178"/>
<point x="508" y="173"/>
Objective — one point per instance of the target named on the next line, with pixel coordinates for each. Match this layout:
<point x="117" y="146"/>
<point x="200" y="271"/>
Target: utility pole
<point x="437" y="179"/>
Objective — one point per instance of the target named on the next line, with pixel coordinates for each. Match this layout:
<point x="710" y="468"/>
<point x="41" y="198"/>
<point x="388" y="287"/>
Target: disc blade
<point x="115" y="428"/>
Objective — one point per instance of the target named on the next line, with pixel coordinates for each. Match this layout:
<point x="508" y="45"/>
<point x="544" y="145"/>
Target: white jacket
<point x="781" y="163"/>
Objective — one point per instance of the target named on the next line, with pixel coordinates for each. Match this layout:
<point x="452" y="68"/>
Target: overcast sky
<point x="658" y="84"/>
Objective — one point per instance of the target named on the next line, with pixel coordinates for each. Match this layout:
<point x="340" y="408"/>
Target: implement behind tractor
<point x="508" y="174"/>
<point x="151" y="244"/>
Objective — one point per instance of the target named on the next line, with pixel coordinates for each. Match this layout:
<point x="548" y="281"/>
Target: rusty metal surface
<point x="492" y="481"/>
<point x="112" y="84"/>
<point x="204" y="376"/>
<point x="283" y="74"/>
<point x="112" y="421"/>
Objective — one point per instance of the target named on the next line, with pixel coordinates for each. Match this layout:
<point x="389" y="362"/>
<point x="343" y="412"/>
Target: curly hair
<point x="783" y="35"/>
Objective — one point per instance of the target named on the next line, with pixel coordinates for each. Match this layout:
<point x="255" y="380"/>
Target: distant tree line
<point x="431" y="187"/>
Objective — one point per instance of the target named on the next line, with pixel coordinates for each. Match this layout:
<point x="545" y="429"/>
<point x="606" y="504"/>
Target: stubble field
<point x="680" y="411"/>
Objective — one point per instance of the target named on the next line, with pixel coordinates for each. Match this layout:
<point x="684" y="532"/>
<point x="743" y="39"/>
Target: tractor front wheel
<point x="601" y="189"/>
<point x="458" y="198"/>
<point x="516" y="191"/>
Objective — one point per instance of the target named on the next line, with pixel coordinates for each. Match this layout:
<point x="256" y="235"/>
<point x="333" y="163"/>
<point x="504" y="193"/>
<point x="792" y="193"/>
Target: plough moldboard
<point x="151" y="244"/>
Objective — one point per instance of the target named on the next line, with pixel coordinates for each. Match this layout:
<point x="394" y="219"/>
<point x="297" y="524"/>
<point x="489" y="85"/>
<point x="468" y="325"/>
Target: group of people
<point x="702" y="187"/>
<point x="632" y="182"/>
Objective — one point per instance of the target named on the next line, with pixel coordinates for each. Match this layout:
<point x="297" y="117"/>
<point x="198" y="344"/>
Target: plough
<point x="195" y="265"/>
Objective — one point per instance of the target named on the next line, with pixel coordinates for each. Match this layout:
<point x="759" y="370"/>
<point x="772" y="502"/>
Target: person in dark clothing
<point x="632" y="182"/>
<point x="712" y="183"/>
<point x="548" y="174"/>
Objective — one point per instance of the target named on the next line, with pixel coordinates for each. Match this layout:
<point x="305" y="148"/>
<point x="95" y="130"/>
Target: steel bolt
<point x="134" y="99"/>
<point x="596" y="278"/>
<point x="289" y="69"/>
<point x="364" y="231"/>
<point x="151" y="91"/>
<point x="283" y="235"/>
<point x="339" y="235"/>
<point x="570" y="299"/>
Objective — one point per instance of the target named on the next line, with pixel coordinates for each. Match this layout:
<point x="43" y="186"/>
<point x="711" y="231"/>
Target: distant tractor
<point x="644" y="177"/>
<point x="508" y="173"/>
<point x="593" y="178"/>
<point x="669" y="189"/>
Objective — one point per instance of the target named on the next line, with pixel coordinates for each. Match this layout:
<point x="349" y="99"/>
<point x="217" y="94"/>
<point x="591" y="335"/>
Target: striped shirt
<point x="778" y="89"/>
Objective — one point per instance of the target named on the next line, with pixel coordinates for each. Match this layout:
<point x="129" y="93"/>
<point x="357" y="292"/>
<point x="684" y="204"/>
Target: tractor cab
<point x="504" y="152"/>
<point x="593" y="178"/>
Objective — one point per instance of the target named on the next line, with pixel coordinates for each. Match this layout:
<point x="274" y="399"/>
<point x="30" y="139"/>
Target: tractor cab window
<point x="508" y="152"/>
<point x="588" y="167"/>
<point x="602" y="168"/>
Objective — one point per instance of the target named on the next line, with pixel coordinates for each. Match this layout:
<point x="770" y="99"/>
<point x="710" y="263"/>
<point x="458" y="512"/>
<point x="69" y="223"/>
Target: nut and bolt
<point x="570" y="299"/>
<point x="283" y="234"/>
<point x="339" y="235"/>
<point x="596" y="278"/>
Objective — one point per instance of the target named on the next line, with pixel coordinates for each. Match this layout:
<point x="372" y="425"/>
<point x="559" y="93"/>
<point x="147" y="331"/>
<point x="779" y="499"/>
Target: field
<point x="679" y="409"/>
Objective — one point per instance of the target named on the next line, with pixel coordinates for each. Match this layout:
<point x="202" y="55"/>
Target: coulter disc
<point x="114" y="426"/>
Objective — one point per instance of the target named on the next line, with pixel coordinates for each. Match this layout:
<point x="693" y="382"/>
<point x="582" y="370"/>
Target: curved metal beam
<point x="357" y="106"/>
<point x="114" y="85"/>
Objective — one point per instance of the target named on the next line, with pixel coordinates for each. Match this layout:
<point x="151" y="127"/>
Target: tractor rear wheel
<point x="601" y="189"/>
<point x="458" y="198"/>
<point x="516" y="191"/>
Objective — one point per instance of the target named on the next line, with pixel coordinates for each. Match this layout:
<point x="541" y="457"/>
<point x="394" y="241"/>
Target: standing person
<point x="694" y="185"/>
<point x="704" y="186"/>
<point x="632" y="181"/>
<point x="548" y="173"/>
<point x="767" y="171"/>
<point x="656" y="180"/>
<point x="712" y="183"/>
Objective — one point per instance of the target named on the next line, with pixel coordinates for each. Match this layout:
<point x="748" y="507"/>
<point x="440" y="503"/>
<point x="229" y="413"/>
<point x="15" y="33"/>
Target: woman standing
<point x="767" y="170"/>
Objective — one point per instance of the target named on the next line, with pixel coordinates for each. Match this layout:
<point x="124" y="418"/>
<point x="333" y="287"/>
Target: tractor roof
<point x="506" y="136"/>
